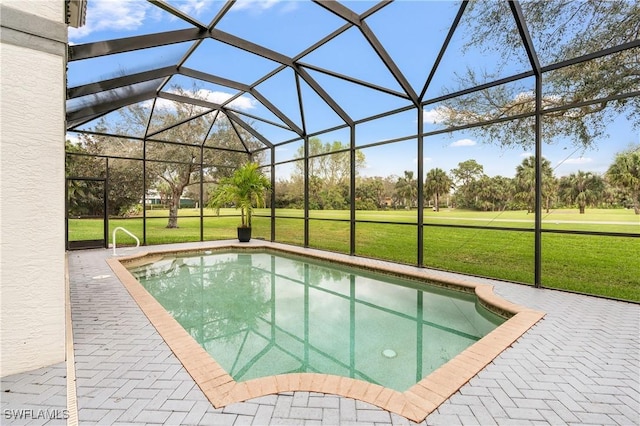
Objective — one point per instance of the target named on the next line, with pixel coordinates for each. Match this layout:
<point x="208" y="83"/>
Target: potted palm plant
<point x="245" y="189"/>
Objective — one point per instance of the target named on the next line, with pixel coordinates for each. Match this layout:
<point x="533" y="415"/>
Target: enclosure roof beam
<point x="319" y="43"/>
<point x="218" y="107"/>
<point x="223" y="11"/>
<point x="340" y="10"/>
<point x="443" y="49"/>
<point x="250" y="47"/>
<point x="593" y="55"/>
<point x="213" y="123"/>
<point x="114" y="83"/>
<point x="516" y="9"/>
<point x="376" y="7"/>
<point x="261" y="119"/>
<point x="188" y="100"/>
<point x="71" y="124"/>
<point x="128" y="44"/>
<point x="232" y="116"/>
<point x="76" y="117"/>
<point x="240" y="138"/>
<point x="178" y="14"/>
<point x="324" y="95"/>
<point x="388" y="62"/>
<point x="183" y="121"/>
<point x="182" y="60"/>
<point x="516" y="77"/>
<point x="293" y="126"/>
<point x="213" y="79"/>
<point x="354" y="80"/>
<point x="354" y="19"/>
<point x="192" y="101"/>
<point x="108" y="134"/>
<point x="300" y="104"/>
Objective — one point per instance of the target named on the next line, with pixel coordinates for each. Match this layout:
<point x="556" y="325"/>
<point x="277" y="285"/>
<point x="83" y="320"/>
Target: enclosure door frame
<point x="85" y="244"/>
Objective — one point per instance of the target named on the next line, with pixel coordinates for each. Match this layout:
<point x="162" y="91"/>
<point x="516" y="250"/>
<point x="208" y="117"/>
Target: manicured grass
<point x="618" y="220"/>
<point x="591" y="264"/>
<point x="492" y="253"/>
<point x="327" y="235"/>
<point x="608" y="266"/>
<point x="389" y="242"/>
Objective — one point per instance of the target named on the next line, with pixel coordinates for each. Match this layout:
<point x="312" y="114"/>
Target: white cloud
<point x="111" y="15"/>
<point x="578" y="160"/>
<point x="289" y="6"/>
<point x="526" y="155"/>
<point x="463" y="142"/>
<point x="436" y="115"/>
<point x="193" y="7"/>
<point x="243" y="103"/>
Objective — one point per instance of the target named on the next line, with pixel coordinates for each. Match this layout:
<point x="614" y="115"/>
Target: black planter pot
<point x="244" y="234"/>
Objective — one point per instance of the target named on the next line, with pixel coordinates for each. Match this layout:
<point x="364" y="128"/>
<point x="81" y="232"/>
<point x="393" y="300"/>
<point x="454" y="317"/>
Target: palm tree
<point x="244" y="189"/>
<point x="437" y="183"/>
<point x="625" y="173"/>
<point x="493" y="193"/>
<point x="525" y="182"/>
<point x="582" y="188"/>
<point x="407" y="189"/>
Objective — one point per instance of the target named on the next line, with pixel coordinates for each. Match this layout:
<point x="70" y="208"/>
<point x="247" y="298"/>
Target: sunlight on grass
<point x="388" y="242"/>
<point x="506" y="255"/>
<point x="608" y="266"/>
<point x="584" y="263"/>
<point x="329" y="235"/>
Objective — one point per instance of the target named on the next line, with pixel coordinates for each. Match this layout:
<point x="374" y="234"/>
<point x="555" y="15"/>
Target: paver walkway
<point x="579" y="365"/>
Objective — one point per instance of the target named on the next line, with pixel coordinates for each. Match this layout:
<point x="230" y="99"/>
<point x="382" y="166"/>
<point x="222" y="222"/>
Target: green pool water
<point x="260" y="314"/>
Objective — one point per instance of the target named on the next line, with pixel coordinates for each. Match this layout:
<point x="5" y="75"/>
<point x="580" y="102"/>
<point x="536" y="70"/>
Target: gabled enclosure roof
<point x="328" y="59"/>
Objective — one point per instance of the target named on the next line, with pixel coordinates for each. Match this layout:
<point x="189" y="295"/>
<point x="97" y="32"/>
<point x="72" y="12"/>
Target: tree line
<point x="466" y="186"/>
<point x="327" y="183"/>
<point x="619" y="187"/>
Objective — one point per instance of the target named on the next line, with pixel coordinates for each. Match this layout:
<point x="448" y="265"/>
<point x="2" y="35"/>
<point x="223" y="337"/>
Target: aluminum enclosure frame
<point x="107" y="101"/>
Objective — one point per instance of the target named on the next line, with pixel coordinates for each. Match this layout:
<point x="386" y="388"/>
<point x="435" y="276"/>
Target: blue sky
<point x="411" y="32"/>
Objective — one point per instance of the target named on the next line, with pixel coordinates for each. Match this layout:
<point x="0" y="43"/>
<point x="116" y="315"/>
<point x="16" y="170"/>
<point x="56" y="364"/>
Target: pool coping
<point x="415" y="403"/>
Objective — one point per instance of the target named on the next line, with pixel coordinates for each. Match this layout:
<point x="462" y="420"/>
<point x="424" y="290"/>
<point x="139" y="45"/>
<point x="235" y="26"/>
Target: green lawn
<point x="600" y="265"/>
<point x="618" y="220"/>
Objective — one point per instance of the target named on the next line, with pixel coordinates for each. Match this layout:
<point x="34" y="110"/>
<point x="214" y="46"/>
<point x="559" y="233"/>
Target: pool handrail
<point x="120" y="228"/>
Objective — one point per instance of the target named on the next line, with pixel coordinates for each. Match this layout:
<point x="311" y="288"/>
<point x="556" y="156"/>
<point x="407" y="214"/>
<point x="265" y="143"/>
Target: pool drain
<point x="389" y="353"/>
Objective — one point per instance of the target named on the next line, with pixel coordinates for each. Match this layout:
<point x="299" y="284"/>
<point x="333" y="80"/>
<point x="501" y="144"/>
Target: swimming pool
<point x="261" y="314"/>
<point x="381" y="331"/>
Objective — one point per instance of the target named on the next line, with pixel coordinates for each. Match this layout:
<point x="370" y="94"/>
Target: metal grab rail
<point x="120" y="228"/>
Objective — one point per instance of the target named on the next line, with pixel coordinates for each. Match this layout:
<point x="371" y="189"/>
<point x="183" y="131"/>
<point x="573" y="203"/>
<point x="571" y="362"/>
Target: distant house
<point x="153" y="200"/>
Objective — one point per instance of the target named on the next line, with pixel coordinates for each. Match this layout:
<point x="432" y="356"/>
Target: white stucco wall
<point x="32" y="238"/>
<point x="48" y="9"/>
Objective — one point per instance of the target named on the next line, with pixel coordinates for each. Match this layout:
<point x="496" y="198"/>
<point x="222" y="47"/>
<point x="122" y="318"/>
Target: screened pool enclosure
<point x="492" y="138"/>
